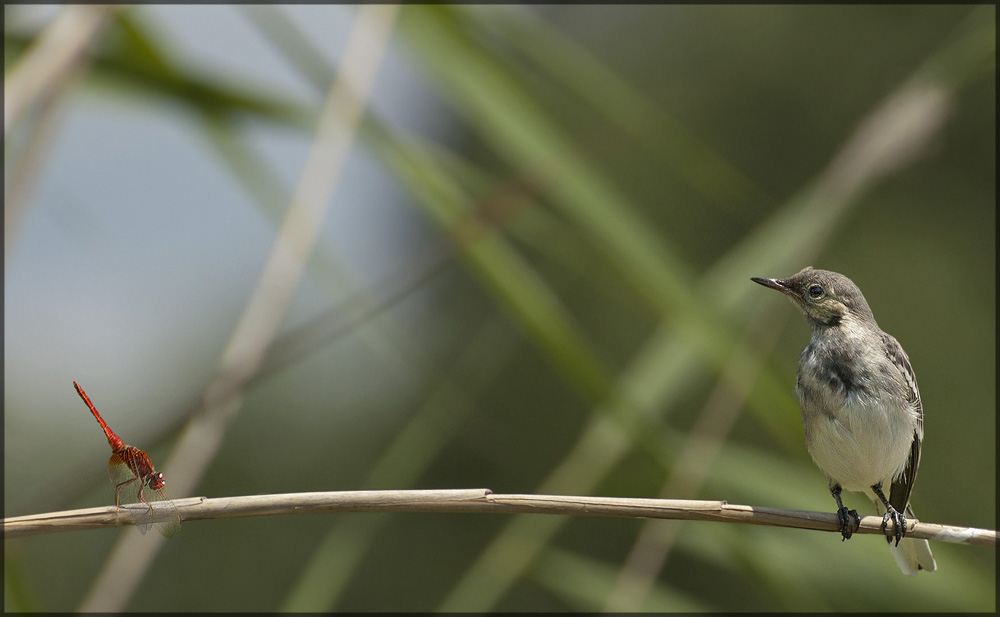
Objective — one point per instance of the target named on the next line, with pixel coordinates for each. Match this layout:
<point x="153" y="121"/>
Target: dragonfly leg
<point x="143" y="499"/>
<point x="118" y="490"/>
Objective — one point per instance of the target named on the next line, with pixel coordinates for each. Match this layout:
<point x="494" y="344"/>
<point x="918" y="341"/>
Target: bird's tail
<point x="912" y="554"/>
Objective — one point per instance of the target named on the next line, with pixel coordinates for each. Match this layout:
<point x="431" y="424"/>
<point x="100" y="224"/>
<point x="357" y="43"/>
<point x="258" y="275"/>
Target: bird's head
<point x="824" y="297"/>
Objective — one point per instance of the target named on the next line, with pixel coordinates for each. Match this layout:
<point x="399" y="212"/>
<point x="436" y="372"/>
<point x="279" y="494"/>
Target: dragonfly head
<point x="156" y="481"/>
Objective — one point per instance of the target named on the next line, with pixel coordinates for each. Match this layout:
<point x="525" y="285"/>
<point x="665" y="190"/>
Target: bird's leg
<point x="897" y="518"/>
<point x="847" y="525"/>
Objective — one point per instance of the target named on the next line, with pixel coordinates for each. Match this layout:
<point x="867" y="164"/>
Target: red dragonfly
<point x="136" y="482"/>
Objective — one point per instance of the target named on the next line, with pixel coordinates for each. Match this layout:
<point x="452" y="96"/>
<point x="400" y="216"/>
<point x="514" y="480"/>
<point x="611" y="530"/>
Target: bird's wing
<point x="902" y="485"/>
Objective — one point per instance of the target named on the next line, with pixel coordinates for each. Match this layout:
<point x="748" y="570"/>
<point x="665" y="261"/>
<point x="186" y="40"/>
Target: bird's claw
<point x="898" y="523"/>
<point x="849" y="522"/>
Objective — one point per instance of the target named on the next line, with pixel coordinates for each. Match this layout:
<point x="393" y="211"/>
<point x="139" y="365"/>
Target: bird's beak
<point x="779" y="284"/>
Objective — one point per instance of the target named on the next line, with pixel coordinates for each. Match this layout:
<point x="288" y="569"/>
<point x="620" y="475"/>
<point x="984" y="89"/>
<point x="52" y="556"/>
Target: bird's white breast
<point x="854" y="436"/>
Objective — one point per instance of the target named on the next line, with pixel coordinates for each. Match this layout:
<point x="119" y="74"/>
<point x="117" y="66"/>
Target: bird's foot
<point x="898" y="523"/>
<point x="849" y="522"/>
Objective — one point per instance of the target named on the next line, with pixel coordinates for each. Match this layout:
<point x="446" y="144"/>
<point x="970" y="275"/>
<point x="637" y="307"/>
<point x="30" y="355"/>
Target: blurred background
<point x="532" y="276"/>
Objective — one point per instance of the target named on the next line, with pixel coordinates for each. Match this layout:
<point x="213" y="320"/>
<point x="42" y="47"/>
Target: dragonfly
<point x="138" y="486"/>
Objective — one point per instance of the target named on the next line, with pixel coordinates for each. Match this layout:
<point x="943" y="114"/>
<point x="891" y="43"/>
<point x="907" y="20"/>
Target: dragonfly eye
<point x="156" y="481"/>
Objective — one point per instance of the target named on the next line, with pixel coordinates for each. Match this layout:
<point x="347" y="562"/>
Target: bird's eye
<point x="815" y="292"/>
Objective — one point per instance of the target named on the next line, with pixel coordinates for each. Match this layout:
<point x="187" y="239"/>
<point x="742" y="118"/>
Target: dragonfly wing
<point x="126" y="485"/>
<point x="147" y="506"/>
<point x="123" y="480"/>
<point x="165" y="517"/>
<point x="162" y="511"/>
<point x="140" y="514"/>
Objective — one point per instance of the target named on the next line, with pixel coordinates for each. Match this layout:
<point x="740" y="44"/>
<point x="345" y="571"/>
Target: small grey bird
<point x="860" y="406"/>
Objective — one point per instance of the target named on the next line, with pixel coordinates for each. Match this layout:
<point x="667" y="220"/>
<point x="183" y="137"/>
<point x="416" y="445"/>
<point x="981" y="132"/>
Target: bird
<point x="861" y="409"/>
